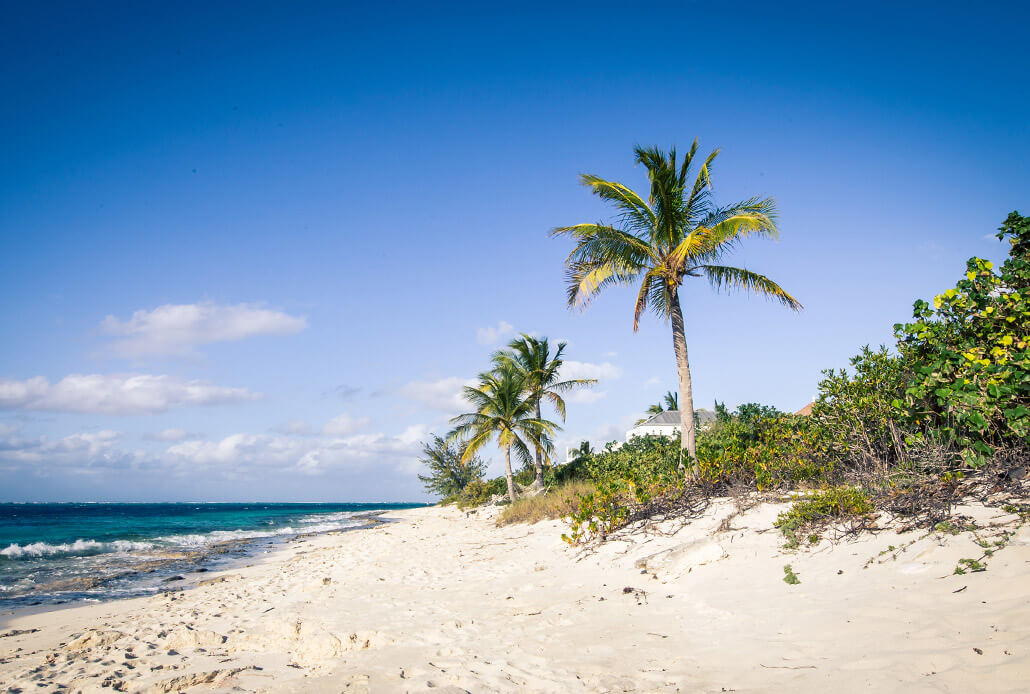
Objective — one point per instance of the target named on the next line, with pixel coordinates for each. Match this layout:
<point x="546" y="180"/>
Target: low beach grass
<point x="557" y="502"/>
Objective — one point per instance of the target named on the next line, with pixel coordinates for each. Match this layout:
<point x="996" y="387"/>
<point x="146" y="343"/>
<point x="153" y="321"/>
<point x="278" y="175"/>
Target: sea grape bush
<point x="857" y="415"/>
<point x="760" y="447"/>
<point x="627" y="481"/>
<point x="970" y="353"/>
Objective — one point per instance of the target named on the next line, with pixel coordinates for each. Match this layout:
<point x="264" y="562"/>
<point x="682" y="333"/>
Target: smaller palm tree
<point x="671" y="402"/>
<point x="503" y="411"/>
<point x="542" y="370"/>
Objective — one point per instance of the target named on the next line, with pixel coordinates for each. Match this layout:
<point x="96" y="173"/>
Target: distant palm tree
<point x="671" y="402"/>
<point x="532" y="357"/>
<point x="502" y="410"/>
<point x="679" y="232"/>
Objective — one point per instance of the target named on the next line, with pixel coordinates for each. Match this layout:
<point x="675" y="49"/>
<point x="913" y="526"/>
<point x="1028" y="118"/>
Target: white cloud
<point x="344" y="424"/>
<point x="585" y="396"/>
<point x="84" y="450"/>
<point x="120" y="394"/>
<point x="229" y="457"/>
<point x="177" y="329"/>
<point x="582" y="369"/>
<point x="491" y="335"/>
<point x="444" y="394"/>
<point x="240" y="452"/>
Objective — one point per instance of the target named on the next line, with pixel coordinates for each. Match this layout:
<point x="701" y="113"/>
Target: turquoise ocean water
<point x="57" y="553"/>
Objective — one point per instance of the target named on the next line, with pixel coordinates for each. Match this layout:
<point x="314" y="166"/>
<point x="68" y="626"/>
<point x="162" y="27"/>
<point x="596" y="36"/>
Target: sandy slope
<point x="445" y="602"/>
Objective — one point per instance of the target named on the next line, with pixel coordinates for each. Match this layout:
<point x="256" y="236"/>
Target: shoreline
<point x="443" y="599"/>
<point x="154" y="568"/>
<point x="226" y="556"/>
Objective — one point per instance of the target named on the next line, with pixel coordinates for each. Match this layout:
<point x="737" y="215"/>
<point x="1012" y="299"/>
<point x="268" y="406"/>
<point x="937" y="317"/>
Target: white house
<point x="668" y="423"/>
<point x="662" y="424"/>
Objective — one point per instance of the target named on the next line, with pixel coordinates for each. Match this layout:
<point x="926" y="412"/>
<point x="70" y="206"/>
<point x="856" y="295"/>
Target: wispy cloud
<point x="585" y="397"/>
<point x="170" y="435"/>
<point x="225" y="458"/>
<point x="344" y="424"/>
<point x="178" y="329"/>
<point x="493" y="334"/>
<point x="117" y="394"/>
<point x="583" y="369"/>
<point x="444" y="394"/>
<point x="294" y="427"/>
<point x="241" y="452"/>
<point x="83" y="450"/>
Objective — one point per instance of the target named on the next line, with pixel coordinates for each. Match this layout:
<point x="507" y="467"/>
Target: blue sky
<point x="252" y="251"/>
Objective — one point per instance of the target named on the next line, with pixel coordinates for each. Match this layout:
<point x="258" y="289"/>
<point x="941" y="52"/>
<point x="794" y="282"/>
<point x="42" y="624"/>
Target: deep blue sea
<point x="56" y="553"/>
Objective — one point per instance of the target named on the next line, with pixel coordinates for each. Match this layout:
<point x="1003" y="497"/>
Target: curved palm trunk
<point x="679" y="345"/>
<point x="539" y="482"/>
<point x="507" y="473"/>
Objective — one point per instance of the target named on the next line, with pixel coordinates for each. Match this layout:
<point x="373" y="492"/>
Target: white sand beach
<point x="441" y="601"/>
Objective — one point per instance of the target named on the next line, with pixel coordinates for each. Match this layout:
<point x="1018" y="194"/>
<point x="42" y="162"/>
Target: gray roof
<point x="669" y="417"/>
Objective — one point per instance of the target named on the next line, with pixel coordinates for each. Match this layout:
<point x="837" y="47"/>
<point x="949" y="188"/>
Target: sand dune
<point x="441" y="601"/>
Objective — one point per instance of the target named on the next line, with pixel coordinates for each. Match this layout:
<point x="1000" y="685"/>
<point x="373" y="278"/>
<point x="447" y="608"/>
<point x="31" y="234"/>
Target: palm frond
<point x="734" y="278"/>
<point x="634" y="210"/>
<point x="586" y="280"/>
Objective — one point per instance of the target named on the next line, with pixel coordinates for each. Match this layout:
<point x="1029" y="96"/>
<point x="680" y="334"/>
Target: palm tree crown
<point x="678" y="232"/>
<point x="502" y="410"/>
<point x="532" y="357"/>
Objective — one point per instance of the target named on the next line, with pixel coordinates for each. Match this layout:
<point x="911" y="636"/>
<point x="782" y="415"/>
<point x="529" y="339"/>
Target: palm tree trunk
<point x="539" y="483"/>
<point x="679" y="346"/>
<point x="507" y="473"/>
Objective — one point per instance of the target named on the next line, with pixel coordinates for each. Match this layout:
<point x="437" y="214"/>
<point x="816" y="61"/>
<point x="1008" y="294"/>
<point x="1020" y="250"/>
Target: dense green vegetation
<point x="910" y="430"/>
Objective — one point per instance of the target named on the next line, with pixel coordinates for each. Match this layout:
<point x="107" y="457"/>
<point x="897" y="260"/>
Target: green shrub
<point x="448" y="474"/>
<point x="835" y="503"/>
<point x="972" y="354"/>
<point x="857" y="415"/>
<point x="627" y="481"/>
<point x="761" y="448"/>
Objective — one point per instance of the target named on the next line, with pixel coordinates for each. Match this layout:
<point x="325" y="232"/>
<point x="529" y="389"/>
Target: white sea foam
<point x="82" y="547"/>
<point x="317" y="525"/>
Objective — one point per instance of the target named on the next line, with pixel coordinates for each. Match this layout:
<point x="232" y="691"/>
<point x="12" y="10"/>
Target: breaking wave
<point x="78" y="548"/>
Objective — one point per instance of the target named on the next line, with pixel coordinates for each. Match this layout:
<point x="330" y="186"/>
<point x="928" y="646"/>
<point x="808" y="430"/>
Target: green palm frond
<point x="634" y="210"/>
<point x="734" y="278"/>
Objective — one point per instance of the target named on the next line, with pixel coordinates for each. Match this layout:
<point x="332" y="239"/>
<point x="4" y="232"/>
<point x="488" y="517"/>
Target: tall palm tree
<point x="502" y="410"/>
<point x="670" y="402"/>
<point x="532" y="356"/>
<point x="677" y="233"/>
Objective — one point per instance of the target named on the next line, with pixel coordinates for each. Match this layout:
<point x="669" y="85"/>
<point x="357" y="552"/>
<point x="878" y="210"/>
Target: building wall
<point x="669" y="430"/>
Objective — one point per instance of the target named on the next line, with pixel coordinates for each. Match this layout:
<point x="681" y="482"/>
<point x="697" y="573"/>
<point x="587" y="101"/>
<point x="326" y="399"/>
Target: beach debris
<point x="17" y="632"/>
